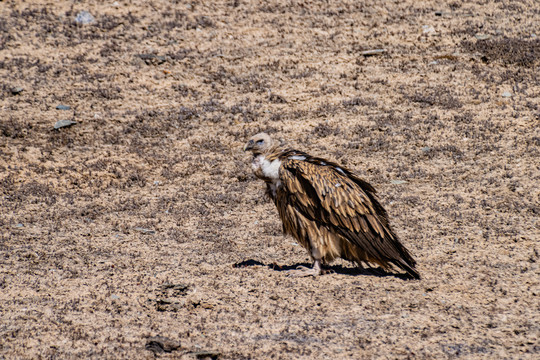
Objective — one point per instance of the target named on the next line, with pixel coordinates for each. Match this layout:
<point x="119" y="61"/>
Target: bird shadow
<point x="334" y="269"/>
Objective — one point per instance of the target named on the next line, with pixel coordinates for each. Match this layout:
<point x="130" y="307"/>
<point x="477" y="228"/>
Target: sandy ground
<point x="143" y="219"/>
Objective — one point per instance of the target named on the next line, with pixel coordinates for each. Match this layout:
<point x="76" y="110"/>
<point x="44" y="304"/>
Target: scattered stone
<point x="115" y="297"/>
<point x="206" y="305"/>
<point x="428" y="29"/>
<point x="64" y="123"/>
<point x="178" y="287"/>
<point x="206" y="355"/>
<point x="373" y="52"/>
<point x="506" y="94"/>
<point x="84" y="18"/>
<point x="451" y="57"/>
<point x="161" y="344"/>
<point x="482" y="36"/>
<point x="63" y="107"/>
<point x="151" y="59"/>
<point x="145" y="231"/>
<point x="398" y="182"/>
<point x="438" y="13"/>
<point x="278" y="99"/>
<point x="19" y="225"/>
<point x="426" y="149"/>
<point x="168" y="304"/>
<point x="17" y="90"/>
<point x="165" y="301"/>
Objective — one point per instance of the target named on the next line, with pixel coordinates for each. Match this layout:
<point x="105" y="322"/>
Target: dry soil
<point x="143" y="218"/>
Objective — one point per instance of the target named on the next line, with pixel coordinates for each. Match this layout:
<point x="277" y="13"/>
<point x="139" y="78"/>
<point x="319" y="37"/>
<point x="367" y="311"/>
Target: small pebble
<point x="152" y="59"/>
<point x="145" y="231"/>
<point x="64" y="123"/>
<point x="206" y="354"/>
<point x="84" y="17"/>
<point x="373" y="52"/>
<point x="428" y="29"/>
<point x="482" y="36"/>
<point x="63" y="107"/>
<point x="398" y="182"/>
<point x="161" y="344"/>
<point x="115" y="297"/>
<point x="17" y="90"/>
<point x="506" y="94"/>
<point x="426" y="149"/>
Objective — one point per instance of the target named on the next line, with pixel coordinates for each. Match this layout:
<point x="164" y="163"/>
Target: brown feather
<point x="374" y="224"/>
<point x="364" y="225"/>
<point x="356" y="224"/>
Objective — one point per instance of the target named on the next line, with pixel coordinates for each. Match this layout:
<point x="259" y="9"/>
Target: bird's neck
<point x="266" y="166"/>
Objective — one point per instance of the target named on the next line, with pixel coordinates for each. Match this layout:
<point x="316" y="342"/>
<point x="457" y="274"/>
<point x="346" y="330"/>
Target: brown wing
<point x="345" y="204"/>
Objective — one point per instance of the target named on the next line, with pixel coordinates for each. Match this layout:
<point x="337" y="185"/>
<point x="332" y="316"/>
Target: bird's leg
<point x="302" y="271"/>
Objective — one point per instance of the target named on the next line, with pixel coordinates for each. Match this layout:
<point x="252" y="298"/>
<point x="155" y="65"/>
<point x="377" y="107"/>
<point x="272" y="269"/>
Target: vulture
<point x="327" y="208"/>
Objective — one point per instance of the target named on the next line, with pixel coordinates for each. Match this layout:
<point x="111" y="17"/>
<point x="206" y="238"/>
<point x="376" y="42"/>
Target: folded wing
<point x="343" y="203"/>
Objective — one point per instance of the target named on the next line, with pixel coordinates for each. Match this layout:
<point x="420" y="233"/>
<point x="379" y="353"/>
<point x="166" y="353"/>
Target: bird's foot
<point x="303" y="271"/>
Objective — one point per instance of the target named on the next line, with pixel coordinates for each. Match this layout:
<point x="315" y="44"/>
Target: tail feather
<point x="408" y="268"/>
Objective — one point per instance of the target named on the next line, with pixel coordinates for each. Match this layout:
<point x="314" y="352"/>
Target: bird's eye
<point x="260" y="142"/>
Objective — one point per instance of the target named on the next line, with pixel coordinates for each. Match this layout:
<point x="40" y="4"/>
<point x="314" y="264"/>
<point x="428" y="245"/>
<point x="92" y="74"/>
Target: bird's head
<point x="259" y="144"/>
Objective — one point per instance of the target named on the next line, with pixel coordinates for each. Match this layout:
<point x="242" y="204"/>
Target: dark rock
<point x="278" y="99"/>
<point x="206" y="355"/>
<point x="152" y="59"/>
<point x="161" y="344"/>
<point x="373" y="52"/>
<point x="64" y="123"/>
<point x="177" y="287"/>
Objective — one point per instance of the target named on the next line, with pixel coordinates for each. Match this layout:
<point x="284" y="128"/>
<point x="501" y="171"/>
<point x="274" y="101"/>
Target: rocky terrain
<point x="131" y="225"/>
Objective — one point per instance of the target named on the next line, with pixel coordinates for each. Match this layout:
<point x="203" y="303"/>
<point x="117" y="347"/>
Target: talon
<point x="302" y="271"/>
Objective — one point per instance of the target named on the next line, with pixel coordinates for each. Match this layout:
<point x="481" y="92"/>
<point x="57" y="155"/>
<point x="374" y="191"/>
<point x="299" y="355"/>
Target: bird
<point x="328" y="209"/>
